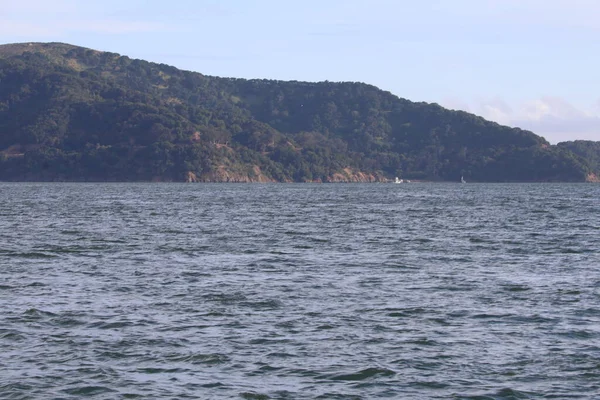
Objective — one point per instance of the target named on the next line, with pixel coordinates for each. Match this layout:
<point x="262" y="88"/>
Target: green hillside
<point x="71" y="113"/>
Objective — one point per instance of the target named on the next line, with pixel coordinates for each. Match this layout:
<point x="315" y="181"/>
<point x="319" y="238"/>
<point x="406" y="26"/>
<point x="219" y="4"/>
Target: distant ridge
<point x="78" y="114"/>
<point x="50" y="49"/>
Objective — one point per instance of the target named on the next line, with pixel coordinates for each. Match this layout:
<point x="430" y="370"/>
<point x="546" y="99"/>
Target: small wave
<point x="225" y="298"/>
<point x="266" y="369"/>
<point x="110" y="325"/>
<point x="588" y="312"/>
<point x="36" y="284"/>
<point x="199" y="359"/>
<point x="254" y="396"/>
<point x="296" y="233"/>
<point x="441" y="321"/>
<point x="579" y="334"/>
<point x="212" y="385"/>
<point x="181" y="328"/>
<point x="325" y="327"/>
<point x="268" y="341"/>
<point x="7" y="287"/>
<point x="263" y="305"/>
<point x="278" y="354"/>
<point x="364" y="374"/>
<point x="60" y="250"/>
<point x="515" y="288"/>
<point x="319" y="240"/>
<point x="406" y="312"/>
<point x="35" y="313"/>
<point x="570" y="250"/>
<point x="150" y="370"/>
<point x="429" y="385"/>
<point x="66" y="322"/>
<point x="503" y="394"/>
<point x="474" y="239"/>
<point x="12" y="335"/>
<point x="70" y="232"/>
<point x="15" y="388"/>
<point x="89" y="390"/>
<point x="424" y="342"/>
<point x="340" y="396"/>
<point x="172" y="231"/>
<point x="132" y="396"/>
<point x="153" y="343"/>
<point x="302" y="247"/>
<point x="540" y="211"/>
<point x="33" y="255"/>
<point x="491" y="316"/>
<point x="422" y="240"/>
<point x="216" y="313"/>
<point x="196" y="274"/>
<point x="519" y="250"/>
<point x="175" y="249"/>
<point x="116" y="355"/>
<point x="533" y="319"/>
<point x="456" y="288"/>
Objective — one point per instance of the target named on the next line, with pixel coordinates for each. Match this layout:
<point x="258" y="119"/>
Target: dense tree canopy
<point x="70" y="113"/>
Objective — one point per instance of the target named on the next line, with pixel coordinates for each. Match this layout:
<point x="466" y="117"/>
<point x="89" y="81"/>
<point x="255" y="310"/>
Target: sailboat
<point x="398" y="180"/>
<point x="462" y="180"/>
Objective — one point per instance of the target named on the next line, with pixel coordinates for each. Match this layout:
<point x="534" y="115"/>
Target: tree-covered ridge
<point x="70" y="113"/>
<point x="587" y="150"/>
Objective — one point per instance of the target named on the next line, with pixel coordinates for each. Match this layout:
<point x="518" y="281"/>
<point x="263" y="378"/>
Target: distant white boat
<point x="462" y="180"/>
<point x="398" y="180"/>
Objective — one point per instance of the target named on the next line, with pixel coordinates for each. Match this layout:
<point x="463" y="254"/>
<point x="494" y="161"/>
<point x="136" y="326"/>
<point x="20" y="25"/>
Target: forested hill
<point x="589" y="151"/>
<point x="71" y="113"/>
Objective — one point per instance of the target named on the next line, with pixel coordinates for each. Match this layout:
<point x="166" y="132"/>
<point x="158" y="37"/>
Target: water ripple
<point x="425" y="291"/>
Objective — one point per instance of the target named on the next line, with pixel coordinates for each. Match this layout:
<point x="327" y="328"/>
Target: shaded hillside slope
<point x="70" y="113"/>
<point x="587" y="150"/>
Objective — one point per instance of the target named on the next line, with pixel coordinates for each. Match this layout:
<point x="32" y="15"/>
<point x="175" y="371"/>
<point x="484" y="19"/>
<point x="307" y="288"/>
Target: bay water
<point x="299" y="291"/>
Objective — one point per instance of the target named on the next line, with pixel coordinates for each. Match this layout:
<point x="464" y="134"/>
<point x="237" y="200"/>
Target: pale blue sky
<point x="528" y="63"/>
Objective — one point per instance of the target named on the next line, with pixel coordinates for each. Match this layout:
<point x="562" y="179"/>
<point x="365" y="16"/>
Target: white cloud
<point x="495" y="109"/>
<point x="454" y="103"/>
<point x="551" y="117"/>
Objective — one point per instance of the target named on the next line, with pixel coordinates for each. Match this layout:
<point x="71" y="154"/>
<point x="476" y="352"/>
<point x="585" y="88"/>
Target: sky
<point x="534" y="64"/>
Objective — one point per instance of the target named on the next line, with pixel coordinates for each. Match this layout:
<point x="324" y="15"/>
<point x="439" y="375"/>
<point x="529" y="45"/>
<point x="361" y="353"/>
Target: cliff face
<point x="222" y="174"/>
<point x="351" y="175"/>
<point x="70" y="113"/>
<point x="592" y="177"/>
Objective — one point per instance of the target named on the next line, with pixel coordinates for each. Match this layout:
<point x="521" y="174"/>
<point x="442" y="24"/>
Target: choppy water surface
<point x="413" y="291"/>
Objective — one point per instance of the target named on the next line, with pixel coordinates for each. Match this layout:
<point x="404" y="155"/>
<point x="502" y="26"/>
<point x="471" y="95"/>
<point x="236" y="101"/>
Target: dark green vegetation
<point x="70" y="113"/>
<point x="589" y="151"/>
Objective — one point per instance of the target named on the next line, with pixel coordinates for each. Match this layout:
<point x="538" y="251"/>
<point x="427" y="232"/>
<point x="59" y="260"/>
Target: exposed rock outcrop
<point x="591" y="177"/>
